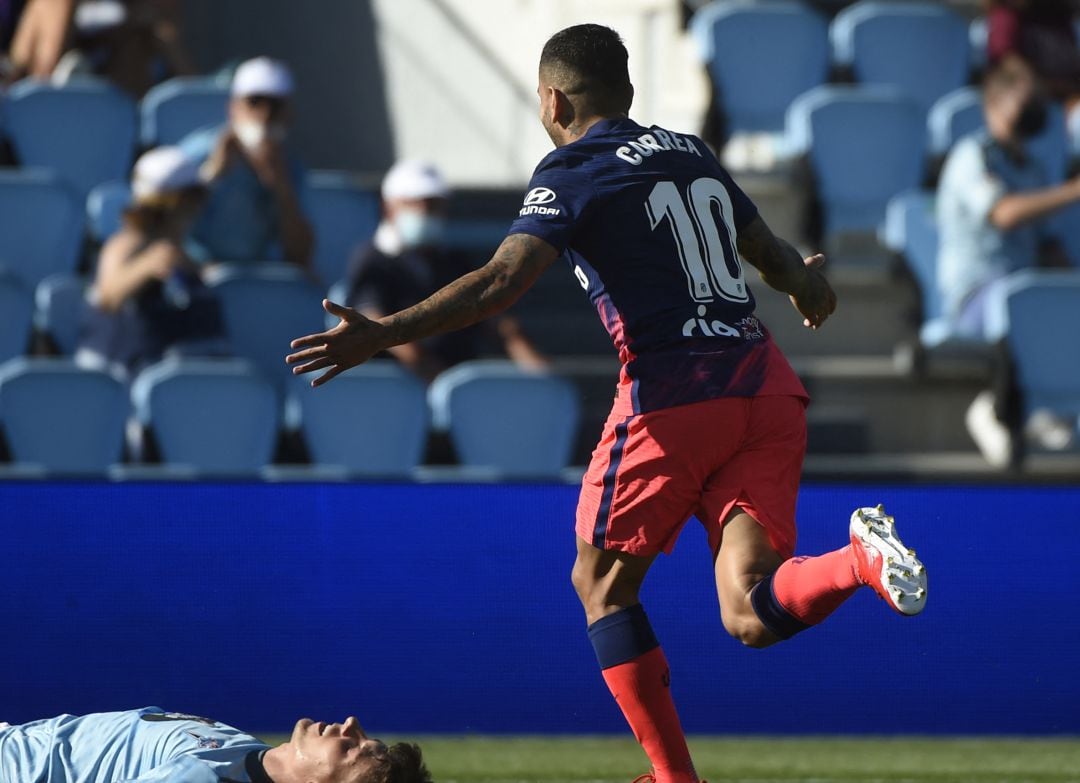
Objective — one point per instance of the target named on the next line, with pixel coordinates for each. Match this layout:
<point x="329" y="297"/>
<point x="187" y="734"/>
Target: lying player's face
<point x="337" y="753"/>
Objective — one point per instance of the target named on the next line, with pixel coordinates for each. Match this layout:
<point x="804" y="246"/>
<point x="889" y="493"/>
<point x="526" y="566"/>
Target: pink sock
<point x="810" y="588"/>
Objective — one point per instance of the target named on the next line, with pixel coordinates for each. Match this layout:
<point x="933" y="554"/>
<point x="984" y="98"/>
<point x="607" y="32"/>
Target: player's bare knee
<point x="748" y="629"/>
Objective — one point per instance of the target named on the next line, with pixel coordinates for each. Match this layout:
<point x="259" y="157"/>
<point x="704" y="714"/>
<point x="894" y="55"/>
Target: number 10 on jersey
<point x="705" y="244"/>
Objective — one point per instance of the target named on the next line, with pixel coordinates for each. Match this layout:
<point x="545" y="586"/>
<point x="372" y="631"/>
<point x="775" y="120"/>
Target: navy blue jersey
<point x="648" y="220"/>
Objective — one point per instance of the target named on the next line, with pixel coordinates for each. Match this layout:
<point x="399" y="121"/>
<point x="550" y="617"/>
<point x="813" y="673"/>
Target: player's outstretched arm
<point x="473" y="297"/>
<point x="784" y="269"/>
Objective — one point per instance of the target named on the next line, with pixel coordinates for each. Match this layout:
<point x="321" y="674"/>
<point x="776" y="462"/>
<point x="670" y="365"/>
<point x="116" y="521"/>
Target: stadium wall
<point x="447" y="608"/>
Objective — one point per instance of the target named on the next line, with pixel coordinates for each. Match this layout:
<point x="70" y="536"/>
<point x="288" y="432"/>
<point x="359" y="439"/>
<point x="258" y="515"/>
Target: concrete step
<point x="875" y="312"/>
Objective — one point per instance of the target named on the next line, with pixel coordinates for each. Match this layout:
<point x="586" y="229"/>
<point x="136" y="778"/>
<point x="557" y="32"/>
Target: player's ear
<point x="563" y="110"/>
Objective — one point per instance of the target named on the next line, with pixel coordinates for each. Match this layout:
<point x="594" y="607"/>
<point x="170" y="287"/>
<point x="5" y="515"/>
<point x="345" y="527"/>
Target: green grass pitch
<point x="473" y="759"/>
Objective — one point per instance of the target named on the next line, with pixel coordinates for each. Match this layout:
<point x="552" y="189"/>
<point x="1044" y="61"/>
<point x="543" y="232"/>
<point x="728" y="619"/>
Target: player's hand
<point x="815" y="300"/>
<point x="353" y="341"/>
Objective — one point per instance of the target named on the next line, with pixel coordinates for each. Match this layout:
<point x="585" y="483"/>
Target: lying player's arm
<point x="473" y="297"/>
<point x="783" y="268"/>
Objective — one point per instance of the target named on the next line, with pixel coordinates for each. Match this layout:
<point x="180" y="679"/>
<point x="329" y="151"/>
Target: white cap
<point x="413" y="179"/>
<point x="262" y="76"/>
<point x="163" y="170"/>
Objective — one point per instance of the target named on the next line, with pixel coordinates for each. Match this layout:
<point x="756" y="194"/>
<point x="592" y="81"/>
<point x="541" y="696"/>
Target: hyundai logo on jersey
<point x="534" y="198"/>
<point x="539" y="196"/>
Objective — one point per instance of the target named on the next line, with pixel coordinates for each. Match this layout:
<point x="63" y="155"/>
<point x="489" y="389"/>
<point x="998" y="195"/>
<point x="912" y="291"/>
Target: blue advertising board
<point x="448" y="608"/>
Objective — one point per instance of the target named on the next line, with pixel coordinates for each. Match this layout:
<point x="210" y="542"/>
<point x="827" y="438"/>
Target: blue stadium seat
<point x="59" y="301"/>
<point x="16" y="316"/>
<point x="911" y="230"/>
<point x="920" y="48"/>
<point x="372" y="419"/>
<point x="219" y="417"/>
<point x="343" y="215"/>
<point x="1025" y="309"/>
<point x="954" y="116"/>
<point x="61" y="417"/>
<point x="1066" y="226"/>
<point x="979" y="41"/>
<point x="761" y="57"/>
<point x="266" y="306"/>
<point x="41" y="225"/>
<point x="1051" y="147"/>
<point x="865" y="146"/>
<point x="85" y="132"/>
<point x="502" y="417"/>
<point x="175" y="108"/>
<point x="105" y="208"/>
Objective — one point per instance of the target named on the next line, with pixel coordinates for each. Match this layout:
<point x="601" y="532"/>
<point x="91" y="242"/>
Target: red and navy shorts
<point x="652" y="471"/>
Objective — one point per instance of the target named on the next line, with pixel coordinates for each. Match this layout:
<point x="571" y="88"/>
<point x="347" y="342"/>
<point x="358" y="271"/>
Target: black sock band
<point x="772" y="615"/>
<point x="622" y="636"/>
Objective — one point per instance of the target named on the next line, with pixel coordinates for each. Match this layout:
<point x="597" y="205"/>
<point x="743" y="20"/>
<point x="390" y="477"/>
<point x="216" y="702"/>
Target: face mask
<point x="419" y="229"/>
<point x="252" y="134"/>
<point x="1032" y="119"/>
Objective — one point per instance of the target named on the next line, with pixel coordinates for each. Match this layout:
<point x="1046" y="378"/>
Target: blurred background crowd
<point x="181" y="183"/>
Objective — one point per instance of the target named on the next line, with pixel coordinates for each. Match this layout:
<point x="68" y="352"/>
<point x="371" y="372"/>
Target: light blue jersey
<point x="138" y="746"/>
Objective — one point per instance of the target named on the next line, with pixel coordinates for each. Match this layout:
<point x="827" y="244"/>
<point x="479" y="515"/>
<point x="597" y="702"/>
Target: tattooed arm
<point x="783" y="268"/>
<point x="473" y="297"/>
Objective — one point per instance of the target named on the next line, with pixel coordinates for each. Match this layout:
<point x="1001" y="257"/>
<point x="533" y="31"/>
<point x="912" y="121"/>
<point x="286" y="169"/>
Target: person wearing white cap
<point x="408" y="259"/>
<point x="147" y="298"/>
<point x="256" y="207"/>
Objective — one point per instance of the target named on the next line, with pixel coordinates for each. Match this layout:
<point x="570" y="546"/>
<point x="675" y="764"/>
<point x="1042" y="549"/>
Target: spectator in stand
<point x="408" y="260"/>
<point x="147" y="300"/>
<point x="255" y="211"/>
<point x="1043" y="33"/>
<point x="993" y="199"/>
<point x="992" y="206"/>
<point x="133" y="43"/>
<point x="38" y="34"/>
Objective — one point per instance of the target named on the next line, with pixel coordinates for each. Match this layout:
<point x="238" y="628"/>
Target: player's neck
<point x="273" y="764"/>
<point x="579" y="127"/>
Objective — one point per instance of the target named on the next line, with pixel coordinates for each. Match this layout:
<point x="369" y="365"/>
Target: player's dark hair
<point x="406" y="764"/>
<point x="588" y="63"/>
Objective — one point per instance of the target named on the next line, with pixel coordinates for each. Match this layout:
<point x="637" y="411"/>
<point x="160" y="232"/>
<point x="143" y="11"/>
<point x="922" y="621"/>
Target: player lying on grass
<point x="709" y="418"/>
<point x="153" y="746"/>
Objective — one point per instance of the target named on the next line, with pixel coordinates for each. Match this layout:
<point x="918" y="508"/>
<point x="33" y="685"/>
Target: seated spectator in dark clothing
<point x="408" y="260"/>
<point x="1043" y="34"/>
<point x="255" y="211"/>
<point x="147" y="300"/>
<point x="135" y="44"/>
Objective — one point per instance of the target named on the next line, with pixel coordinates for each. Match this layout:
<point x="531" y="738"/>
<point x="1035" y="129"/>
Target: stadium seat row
<point x="762" y="56"/>
<point x="43" y="221"/>
<point x="222" y="417"/>
<point x="264" y="307"/>
<point x="868" y="141"/>
<point x="38" y="119"/>
<point x="868" y="144"/>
